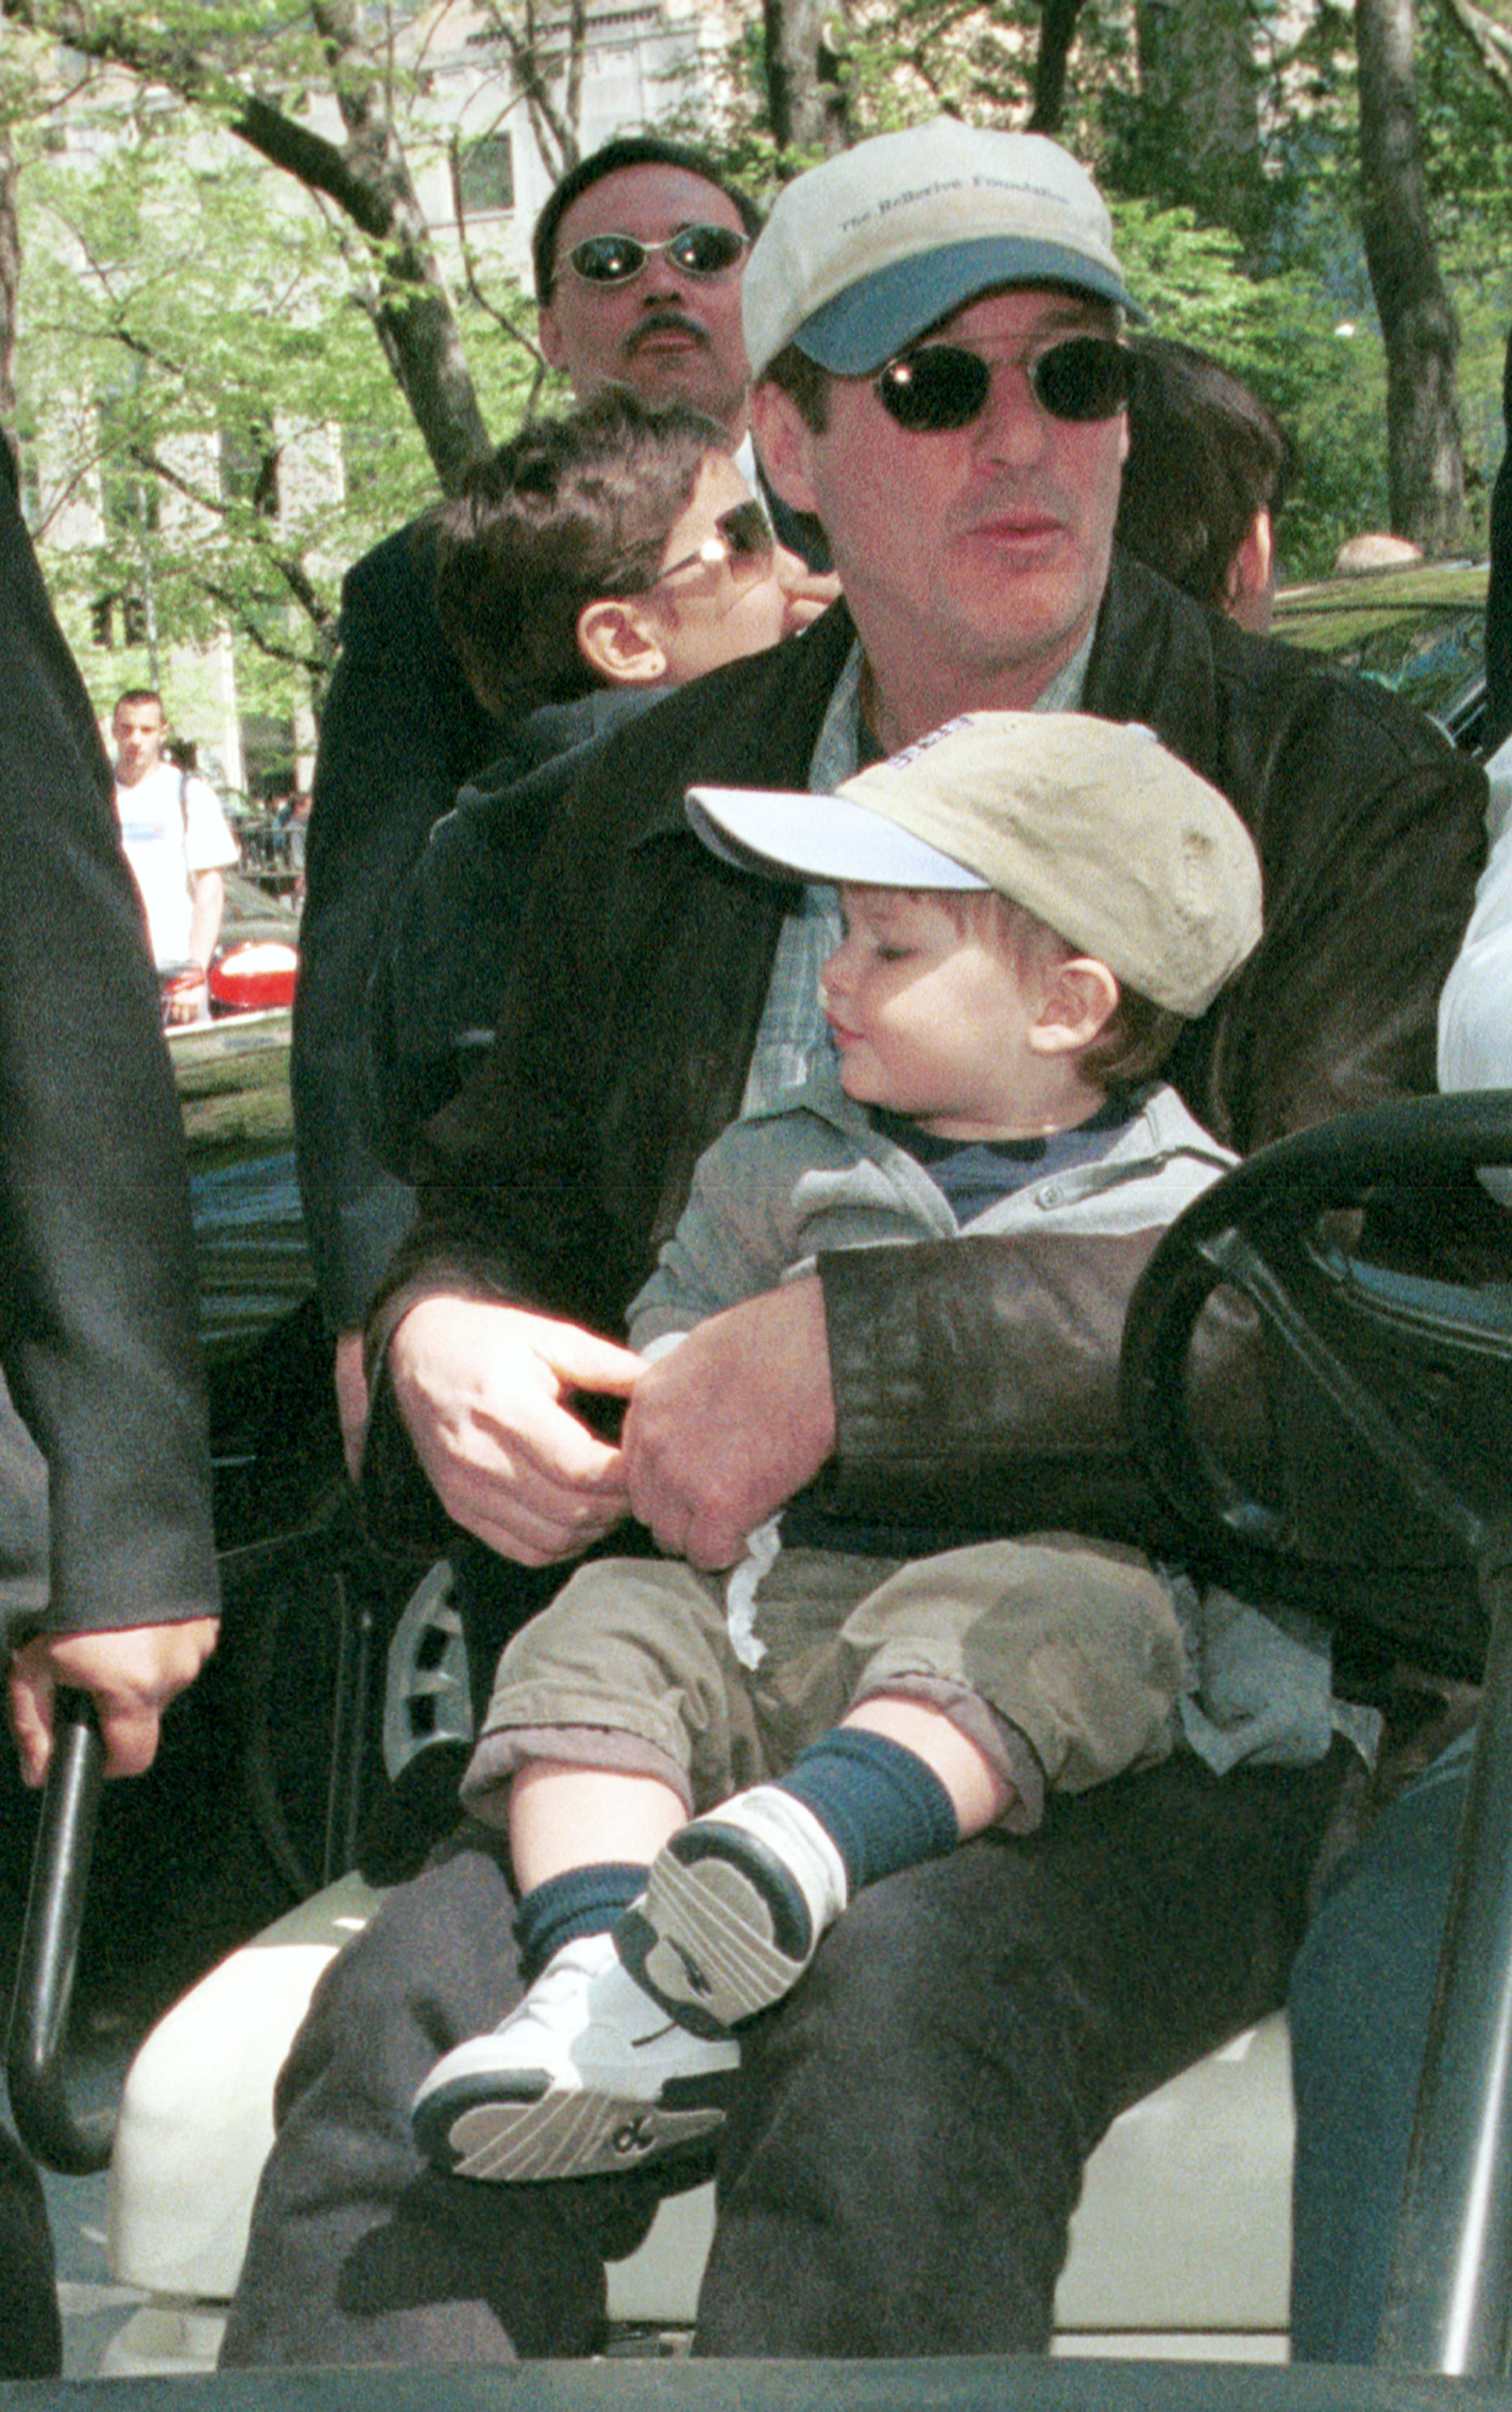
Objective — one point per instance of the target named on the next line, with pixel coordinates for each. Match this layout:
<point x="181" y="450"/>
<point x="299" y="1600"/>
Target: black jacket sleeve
<point x="444" y="961"/>
<point x="401" y="731"/>
<point x="96" y="1318"/>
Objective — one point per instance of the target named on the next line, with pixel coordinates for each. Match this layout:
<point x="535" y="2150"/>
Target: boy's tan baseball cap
<point x="865" y="252"/>
<point x="1091" y="824"/>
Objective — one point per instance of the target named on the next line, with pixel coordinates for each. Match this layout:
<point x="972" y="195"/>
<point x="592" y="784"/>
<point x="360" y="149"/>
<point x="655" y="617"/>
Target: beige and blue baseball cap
<point x="1093" y="825"/>
<point x="865" y="252"/>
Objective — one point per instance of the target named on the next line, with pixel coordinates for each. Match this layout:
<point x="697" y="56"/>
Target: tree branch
<point x="518" y="334"/>
<point x="367" y="179"/>
<point x="1490" y="40"/>
<point x="317" y="664"/>
<point x="1057" y="32"/>
<point x="554" y="128"/>
<point x="288" y="566"/>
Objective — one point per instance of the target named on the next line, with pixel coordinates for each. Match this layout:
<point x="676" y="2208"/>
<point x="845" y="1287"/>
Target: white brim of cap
<point x="818" y="837"/>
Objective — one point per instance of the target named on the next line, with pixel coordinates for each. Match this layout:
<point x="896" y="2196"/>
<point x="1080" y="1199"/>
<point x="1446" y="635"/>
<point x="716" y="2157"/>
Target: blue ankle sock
<point x="583" y="1901"/>
<point x="878" y="1802"/>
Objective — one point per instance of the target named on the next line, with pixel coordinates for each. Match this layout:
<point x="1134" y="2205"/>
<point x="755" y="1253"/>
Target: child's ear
<point x="620" y="642"/>
<point x="1079" y="996"/>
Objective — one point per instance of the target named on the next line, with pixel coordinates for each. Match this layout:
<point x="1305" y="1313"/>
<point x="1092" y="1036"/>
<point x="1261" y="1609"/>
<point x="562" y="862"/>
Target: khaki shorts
<point x="1076" y="1646"/>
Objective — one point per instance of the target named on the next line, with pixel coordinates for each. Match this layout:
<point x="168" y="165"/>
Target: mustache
<point x="664" y="322"/>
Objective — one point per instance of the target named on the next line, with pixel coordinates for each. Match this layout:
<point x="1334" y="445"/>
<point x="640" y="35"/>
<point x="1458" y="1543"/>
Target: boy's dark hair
<point x="1133" y="1043"/>
<point x="141" y="695"/>
<point x="570" y="508"/>
<point x="1205" y="455"/>
<point x="625" y="151"/>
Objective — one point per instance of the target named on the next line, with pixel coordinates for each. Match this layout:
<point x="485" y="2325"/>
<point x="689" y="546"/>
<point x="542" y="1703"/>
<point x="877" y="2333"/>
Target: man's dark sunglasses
<point x="937" y="386"/>
<point x="742" y="537"/>
<point x="694" y="251"/>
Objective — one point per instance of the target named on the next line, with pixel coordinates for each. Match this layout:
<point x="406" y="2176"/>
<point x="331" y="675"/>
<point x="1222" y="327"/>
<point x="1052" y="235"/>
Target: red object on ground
<point x="252" y="978"/>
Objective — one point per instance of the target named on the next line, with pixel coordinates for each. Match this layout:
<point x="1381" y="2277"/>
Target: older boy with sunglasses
<point x="904" y="2143"/>
<point x="595" y="562"/>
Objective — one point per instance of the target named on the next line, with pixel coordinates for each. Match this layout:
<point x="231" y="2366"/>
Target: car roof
<point x="1420" y="631"/>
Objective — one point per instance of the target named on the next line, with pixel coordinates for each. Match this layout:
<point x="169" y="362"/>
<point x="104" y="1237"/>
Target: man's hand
<point x="481" y="1390"/>
<point x="726" y="1426"/>
<point x="351" y="1398"/>
<point x="130" y="1675"/>
<point x="184" y="999"/>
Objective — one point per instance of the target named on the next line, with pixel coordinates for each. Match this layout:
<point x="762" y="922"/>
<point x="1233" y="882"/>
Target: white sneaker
<point x="733" y="1909"/>
<point x="587" y="2076"/>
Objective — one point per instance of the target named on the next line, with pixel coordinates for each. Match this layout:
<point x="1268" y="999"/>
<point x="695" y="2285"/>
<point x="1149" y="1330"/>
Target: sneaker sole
<point x="522" y="2129"/>
<point x="717" y="1937"/>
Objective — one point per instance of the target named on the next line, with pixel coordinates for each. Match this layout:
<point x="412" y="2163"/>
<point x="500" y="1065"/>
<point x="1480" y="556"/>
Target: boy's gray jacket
<point x="812" y="1173"/>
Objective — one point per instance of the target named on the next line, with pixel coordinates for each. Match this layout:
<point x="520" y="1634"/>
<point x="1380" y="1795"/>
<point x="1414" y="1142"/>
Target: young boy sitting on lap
<point x="697" y="1773"/>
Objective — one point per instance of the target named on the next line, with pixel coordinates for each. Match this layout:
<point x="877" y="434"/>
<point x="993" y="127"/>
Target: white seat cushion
<point x="197" y="2114"/>
<point x="1183" y="2225"/>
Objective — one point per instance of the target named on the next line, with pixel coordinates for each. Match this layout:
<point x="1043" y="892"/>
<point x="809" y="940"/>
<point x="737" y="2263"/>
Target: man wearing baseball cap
<point x="935" y="322"/>
<point x="991" y="1069"/>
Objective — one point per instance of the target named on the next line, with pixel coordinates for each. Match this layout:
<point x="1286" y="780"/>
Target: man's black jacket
<point x="984" y="1365"/>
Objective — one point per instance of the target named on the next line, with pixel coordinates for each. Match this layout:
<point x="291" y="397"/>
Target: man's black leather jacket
<point x="977" y="1375"/>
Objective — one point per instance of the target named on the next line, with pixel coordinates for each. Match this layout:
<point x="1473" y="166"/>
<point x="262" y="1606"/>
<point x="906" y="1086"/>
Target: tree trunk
<point x="1057" y="32"/>
<point x="10" y="285"/>
<point x="1425" y="463"/>
<point x="1199" y="91"/>
<point x="805" y="95"/>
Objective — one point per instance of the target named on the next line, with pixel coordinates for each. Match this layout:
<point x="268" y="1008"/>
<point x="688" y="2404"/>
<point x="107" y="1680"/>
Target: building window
<point x="249" y="470"/>
<point x="485" y="177"/>
<point x="133" y="611"/>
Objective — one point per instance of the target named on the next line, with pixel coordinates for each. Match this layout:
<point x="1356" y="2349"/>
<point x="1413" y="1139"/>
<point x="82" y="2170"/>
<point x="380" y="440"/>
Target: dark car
<point x="1420" y="631"/>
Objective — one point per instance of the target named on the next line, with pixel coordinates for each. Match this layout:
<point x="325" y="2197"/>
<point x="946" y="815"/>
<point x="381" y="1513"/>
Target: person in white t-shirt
<point x="178" y="843"/>
<point x="1474" y="1015"/>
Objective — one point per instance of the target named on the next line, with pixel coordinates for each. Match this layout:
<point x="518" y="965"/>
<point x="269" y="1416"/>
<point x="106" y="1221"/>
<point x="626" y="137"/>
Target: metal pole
<point x="1451" y="2279"/>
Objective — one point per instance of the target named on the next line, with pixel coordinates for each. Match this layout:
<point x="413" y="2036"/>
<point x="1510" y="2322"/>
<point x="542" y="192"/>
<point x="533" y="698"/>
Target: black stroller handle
<point x="36" y="2048"/>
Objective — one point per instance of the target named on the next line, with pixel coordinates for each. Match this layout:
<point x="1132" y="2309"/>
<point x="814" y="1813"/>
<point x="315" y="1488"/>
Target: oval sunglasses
<point x="934" y="388"/>
<point x="742" y="537"/>
<point x="694" y="251"/>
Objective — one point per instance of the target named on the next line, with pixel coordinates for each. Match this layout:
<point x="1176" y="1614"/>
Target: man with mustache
<point x="622" y="303"/>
